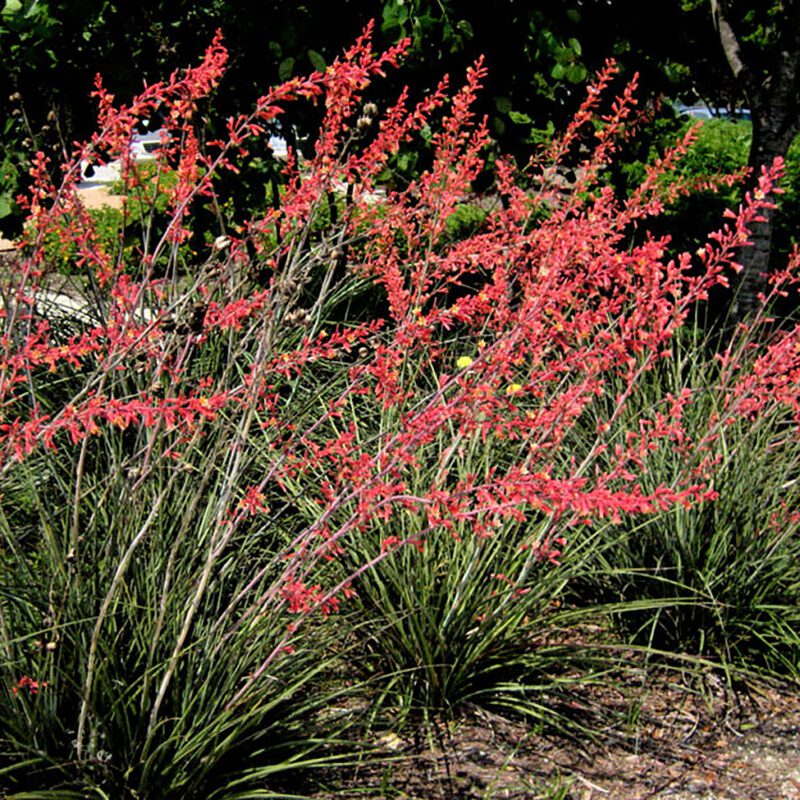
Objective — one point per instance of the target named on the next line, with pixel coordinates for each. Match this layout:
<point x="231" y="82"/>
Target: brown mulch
<point x="666" y="741"/>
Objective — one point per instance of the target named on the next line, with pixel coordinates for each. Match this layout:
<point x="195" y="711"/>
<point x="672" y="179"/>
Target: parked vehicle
<point x="706" y="112"/>
<point x="143" y="148"/>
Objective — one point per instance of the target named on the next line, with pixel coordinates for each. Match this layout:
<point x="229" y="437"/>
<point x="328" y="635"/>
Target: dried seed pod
<point x="287" y="288"/>
<point x="298" y="316"/>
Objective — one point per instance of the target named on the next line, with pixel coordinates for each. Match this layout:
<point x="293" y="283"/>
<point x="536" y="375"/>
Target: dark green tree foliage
<point x="724" y="52"/>
<point x="26" y="32"/>
<point x="52" y="50"/>
<point x="534" y="53"/>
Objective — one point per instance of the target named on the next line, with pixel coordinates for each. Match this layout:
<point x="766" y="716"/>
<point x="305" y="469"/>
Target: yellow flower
<point x="513" y="388"/>
<point x="463" y="362"/>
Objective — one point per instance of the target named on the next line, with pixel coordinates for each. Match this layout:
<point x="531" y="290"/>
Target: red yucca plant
<point x="189" y="454"/>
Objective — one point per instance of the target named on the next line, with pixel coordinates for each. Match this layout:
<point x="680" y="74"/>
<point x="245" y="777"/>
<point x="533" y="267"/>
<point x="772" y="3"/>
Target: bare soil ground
<point x="100" y="196"/>
<point x="667" y="741"/>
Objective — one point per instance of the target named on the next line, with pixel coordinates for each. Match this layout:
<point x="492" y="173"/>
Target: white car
<point x="704" y="112"/>
<point x="143" y="148"/>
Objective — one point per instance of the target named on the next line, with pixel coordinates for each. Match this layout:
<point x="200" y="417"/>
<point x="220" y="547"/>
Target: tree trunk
<point x="771" y="87"/>
<point x="774" y="128"/>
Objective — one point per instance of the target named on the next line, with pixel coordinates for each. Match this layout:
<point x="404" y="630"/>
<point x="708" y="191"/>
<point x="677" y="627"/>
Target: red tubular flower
<point x="29" y="685"/>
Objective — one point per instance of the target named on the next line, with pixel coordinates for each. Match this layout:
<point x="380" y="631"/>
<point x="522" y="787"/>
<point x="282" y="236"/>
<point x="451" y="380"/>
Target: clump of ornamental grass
<point x="201" y="467"/>
<point x="449" y="623"/>
<point x="718" y="579"/>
